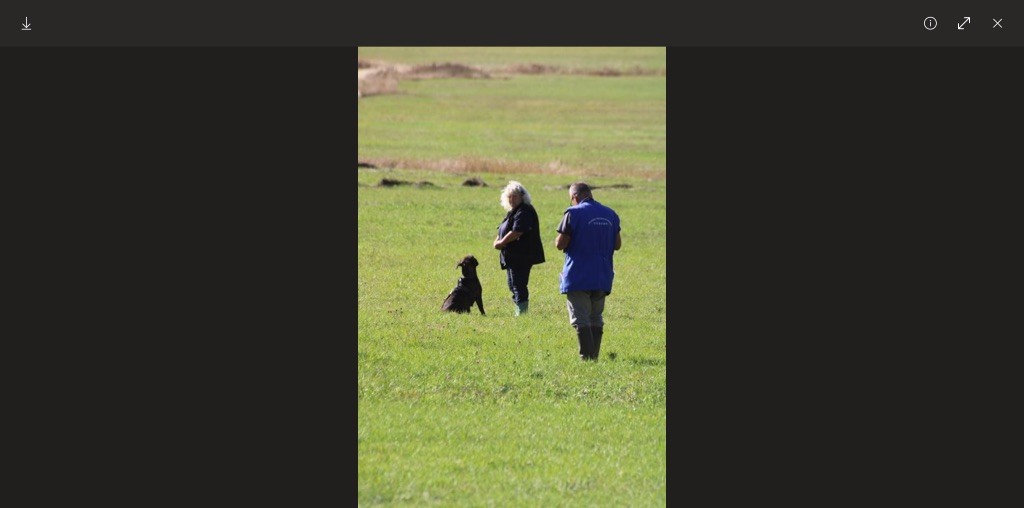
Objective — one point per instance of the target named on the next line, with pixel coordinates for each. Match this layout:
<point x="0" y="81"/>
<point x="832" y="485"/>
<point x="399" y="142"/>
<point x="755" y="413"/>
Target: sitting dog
<point x="467" y="291"/>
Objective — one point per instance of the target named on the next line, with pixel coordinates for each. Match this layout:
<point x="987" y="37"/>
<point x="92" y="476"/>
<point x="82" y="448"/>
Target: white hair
<point x="514" y="187"/>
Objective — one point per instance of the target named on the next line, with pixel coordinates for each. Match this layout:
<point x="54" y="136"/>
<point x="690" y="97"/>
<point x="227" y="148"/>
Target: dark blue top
<point x="592" y="228"/>
<point x="528" y="249"/>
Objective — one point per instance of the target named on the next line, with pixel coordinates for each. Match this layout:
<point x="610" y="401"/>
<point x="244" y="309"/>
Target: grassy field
<point x="573" y="123"/>
<point x="495" y="410"/>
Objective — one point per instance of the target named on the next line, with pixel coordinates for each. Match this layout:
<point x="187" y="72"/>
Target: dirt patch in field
<point x="594" y="187"/>
<point x="379" y="77"/>
<point x="474" y="182"/>
<point x="433" y="70"/>
<point x="390" y="182"/>
<point x="530" y="69"/>
<point x="470" y="166"/>
<point x="444" y="70"/>
<point x="535" y="68"/>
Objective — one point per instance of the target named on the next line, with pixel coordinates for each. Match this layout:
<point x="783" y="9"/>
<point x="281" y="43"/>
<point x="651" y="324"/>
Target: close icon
<point x="930" y="23"/>
<point x="999" y="23"/>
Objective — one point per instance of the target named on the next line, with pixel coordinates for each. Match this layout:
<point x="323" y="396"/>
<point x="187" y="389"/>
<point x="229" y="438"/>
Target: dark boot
<point x="586" y="341"/>
<point x="522" y="307"/>
<point x="596" y="332"/>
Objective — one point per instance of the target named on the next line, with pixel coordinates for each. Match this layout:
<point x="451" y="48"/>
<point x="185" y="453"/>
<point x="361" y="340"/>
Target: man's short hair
<point x="580" y="190"/>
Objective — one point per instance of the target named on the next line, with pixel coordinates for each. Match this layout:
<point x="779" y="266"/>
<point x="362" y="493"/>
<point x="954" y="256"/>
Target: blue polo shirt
<point x="593" y="228"/>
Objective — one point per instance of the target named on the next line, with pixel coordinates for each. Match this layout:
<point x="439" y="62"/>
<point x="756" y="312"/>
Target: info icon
<point x="930" y="23"/>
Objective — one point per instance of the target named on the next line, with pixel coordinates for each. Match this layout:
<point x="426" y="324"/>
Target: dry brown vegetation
<point x="377" y="81"/>
<point x="377" y="78"/>
<point x="467" y="165"/>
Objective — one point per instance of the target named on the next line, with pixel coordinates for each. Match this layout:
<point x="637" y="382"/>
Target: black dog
<point x="467" y="291"/>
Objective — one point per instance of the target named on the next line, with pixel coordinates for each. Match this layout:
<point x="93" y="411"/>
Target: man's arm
<point x="564" y="230"/>
<point x="562" y="241"/>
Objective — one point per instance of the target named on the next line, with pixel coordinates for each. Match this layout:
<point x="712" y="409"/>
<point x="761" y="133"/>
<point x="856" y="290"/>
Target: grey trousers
<point x="585" y="307"/>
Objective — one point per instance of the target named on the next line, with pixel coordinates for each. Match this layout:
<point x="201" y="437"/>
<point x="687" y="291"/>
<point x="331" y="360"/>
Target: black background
<point x="181" y="277"/>
<point x="842" y="270"/>
<point x="813" y="24"/>
<point x="181" y="274"/>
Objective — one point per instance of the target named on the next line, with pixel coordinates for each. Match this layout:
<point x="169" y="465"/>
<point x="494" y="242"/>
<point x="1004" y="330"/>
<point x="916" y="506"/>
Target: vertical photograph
<point x="511" y="276"/>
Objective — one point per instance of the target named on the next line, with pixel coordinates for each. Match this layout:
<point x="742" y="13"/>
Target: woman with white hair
<point x="519" y="242"/>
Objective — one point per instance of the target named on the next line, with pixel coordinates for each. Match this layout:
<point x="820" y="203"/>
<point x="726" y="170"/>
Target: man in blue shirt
<point x="589" y="236"/>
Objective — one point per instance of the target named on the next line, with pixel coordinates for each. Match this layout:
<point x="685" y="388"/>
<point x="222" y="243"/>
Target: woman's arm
<point x="509" y="238"/>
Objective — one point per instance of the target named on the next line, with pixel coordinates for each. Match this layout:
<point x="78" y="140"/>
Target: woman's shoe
<point x="522" y="307"/>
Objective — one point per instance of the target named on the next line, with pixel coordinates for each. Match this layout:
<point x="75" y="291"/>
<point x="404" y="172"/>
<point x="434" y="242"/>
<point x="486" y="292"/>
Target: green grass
<point x="471" y="410"/>
<point x="498" y="410"/>
<point x="594" y="125"/>
<point x="487" y="57"/>
<point x="530" y="454"/>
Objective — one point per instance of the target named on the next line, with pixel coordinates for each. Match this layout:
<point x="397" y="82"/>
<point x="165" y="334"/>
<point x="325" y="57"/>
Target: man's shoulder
<point x="607" y="208"/>
<point x="598" y="206"/>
